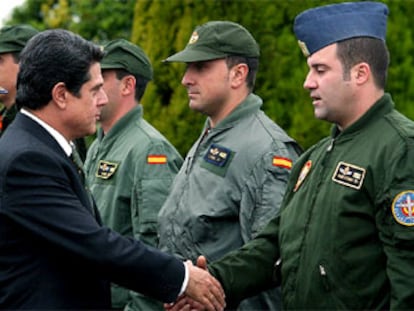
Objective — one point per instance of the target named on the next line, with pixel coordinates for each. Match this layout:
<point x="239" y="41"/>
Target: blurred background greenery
<point x="163" y="27"/>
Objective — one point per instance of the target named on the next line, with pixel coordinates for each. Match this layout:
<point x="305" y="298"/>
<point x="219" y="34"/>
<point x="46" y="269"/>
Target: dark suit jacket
<point x="54" y="253"/>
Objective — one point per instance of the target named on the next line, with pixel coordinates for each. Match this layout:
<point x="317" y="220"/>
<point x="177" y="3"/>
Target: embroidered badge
<point x="217" y="155"/>
<point x="156" y="159"/>
<point x="304" y="48"/>
<point x="106" y="169"/>
<point x="193" y="38"/>
<point x="303" y="173"/>
<point x="403" y="208"/>
<point x="282" y="162"/>
<point x="349" y="175"/>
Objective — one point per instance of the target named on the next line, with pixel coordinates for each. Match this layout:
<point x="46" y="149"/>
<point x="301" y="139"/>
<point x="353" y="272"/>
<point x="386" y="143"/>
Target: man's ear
<point x="362" y="73"/>
<point x="239" y="74"/>
<point x="60" y="95"/>
<point x="128" y="84"/>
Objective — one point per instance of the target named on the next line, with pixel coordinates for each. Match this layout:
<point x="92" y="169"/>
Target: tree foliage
<point x="163" y="27"/>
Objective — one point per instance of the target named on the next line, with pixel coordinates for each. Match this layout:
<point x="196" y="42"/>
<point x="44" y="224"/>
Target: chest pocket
<point x="217" y="159"/>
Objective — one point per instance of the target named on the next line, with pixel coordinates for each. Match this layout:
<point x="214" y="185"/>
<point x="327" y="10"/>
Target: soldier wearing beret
<point x="234" y="177"/>
<point x="345" y="236"/>
<point x="130" y="166"/>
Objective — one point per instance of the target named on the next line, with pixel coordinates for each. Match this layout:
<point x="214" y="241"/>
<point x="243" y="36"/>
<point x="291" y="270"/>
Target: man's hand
<point x="185" y="303"/>
<point x="202" y="262"/>
<point x="204" y="288"/>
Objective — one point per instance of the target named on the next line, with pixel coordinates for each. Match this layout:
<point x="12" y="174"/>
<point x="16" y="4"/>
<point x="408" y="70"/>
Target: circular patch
<point x="403" y="208"/>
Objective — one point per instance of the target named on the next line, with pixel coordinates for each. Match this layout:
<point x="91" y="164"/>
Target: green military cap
<point x="217" y="39"/>
<point x="122" y="54"/>
<point x="14" y="38"/>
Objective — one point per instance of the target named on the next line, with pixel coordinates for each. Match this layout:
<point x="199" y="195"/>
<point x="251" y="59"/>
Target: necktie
<point x="75" y="157"/>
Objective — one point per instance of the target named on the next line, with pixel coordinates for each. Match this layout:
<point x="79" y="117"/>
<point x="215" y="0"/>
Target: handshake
<point x="203" y="291"/>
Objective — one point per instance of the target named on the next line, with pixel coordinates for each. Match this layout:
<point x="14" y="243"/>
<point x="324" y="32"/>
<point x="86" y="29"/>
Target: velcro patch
<point x="106" y="169"/>
<point x="349" y="175"/>
<point x="156" y="159"/>
<point x="217" y="155"/>
<point x="403" y="208"/>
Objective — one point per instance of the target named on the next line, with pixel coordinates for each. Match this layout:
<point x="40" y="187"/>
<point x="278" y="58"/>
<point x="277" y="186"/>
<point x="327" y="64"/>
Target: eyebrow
<point x="97" y="87"/>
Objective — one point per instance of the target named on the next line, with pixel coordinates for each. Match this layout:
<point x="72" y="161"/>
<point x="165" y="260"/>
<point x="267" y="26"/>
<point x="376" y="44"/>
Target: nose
<point x="187" y="77"/>
<point x="103" y="98"/>
<point x="309" y="82"/>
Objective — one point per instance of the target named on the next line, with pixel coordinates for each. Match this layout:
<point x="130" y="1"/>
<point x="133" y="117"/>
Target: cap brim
<point x="111" y="66"/>
<point x="192" y="55"/>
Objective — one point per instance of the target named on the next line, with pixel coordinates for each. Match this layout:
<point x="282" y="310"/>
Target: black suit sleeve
<point x="43" y="196"/>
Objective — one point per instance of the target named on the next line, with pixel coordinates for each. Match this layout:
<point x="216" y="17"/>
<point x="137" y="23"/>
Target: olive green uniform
<point x="231" y="184"/>
<point x="129" y="172"/>
<point x="6" y="117"/>
<point x="345" y="235"/>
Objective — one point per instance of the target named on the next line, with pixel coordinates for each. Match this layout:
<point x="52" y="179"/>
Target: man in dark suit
<point x="54" y="252"/>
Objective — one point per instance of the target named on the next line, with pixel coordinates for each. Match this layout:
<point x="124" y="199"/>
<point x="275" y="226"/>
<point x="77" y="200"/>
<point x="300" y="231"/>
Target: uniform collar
<point x="383" y="106"/>
<point x="134" y="114"/>
<point x="248" y="106"/>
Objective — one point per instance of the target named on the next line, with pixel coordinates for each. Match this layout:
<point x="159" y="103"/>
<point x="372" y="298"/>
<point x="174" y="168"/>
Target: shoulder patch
<point x="106" y="169"/>
<point x="282" y="162"/>
<point x="403" y="208"/>
<point x="349" y="175"/>
<point x="156" y="159"/>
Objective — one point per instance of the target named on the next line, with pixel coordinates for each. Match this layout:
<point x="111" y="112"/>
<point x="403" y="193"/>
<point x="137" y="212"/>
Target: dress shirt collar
<point x="66" y="146"/>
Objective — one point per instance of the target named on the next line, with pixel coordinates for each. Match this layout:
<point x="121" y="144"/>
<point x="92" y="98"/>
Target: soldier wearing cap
<point x="130" y="166"/>
<point x="12" y="41"/>
<point x="344" y="238"/>
<point x="234" y="177"/>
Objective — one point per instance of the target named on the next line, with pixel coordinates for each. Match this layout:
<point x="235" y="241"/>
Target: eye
<point x="320" y="69"/>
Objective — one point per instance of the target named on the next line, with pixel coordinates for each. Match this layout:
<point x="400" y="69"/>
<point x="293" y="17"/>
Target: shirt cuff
<point x="185" y="282"/>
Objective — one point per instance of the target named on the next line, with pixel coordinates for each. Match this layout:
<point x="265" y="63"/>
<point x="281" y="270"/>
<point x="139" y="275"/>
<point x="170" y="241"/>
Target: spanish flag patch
<point x="156" y="159"/>
<point x="282" y="162"/>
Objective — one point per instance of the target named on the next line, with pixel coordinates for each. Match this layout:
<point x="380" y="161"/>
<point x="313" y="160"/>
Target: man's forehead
<point x="324" y="55"/>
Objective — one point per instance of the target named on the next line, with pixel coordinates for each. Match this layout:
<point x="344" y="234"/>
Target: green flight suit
<point x="230" y="185"/>
<point x="345" y="234"/>
<point x="129" y="172"/>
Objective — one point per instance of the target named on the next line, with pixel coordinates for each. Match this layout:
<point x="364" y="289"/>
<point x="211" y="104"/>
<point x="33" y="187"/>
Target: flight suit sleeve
<point x="152" y="182"/>
<point x="265" y="189"/>
<point x="395" y="220"/>
<point x="251" y="269"/>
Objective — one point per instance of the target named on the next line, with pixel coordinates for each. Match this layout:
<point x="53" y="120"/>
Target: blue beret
<point x="319" y="27"/>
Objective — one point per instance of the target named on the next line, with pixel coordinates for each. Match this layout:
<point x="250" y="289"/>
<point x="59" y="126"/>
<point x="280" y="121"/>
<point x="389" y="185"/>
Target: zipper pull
<point x="331" y="145"/>
<point x="324" y="276"/>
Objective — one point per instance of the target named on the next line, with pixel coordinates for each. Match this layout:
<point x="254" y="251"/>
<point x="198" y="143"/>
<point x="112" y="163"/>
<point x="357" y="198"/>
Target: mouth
<point x="315" y="99"/>
<point x="192" y="94"/>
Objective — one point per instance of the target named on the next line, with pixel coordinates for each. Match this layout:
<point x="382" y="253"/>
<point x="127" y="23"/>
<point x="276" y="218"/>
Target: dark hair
<point x="251" y="62"/>
<point x="50" y="57"/>
<point x="372" y="51"/>
<point x="140" y="84"/>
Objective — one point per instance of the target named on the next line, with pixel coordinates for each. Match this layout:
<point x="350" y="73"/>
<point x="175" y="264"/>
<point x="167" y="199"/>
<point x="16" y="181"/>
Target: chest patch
<point x="349" y="175"/>
<point x="217" y="155"/>
<point x="106" y="169"/>
<point x="403" y="208"/>
<point x="303" y="174"/>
